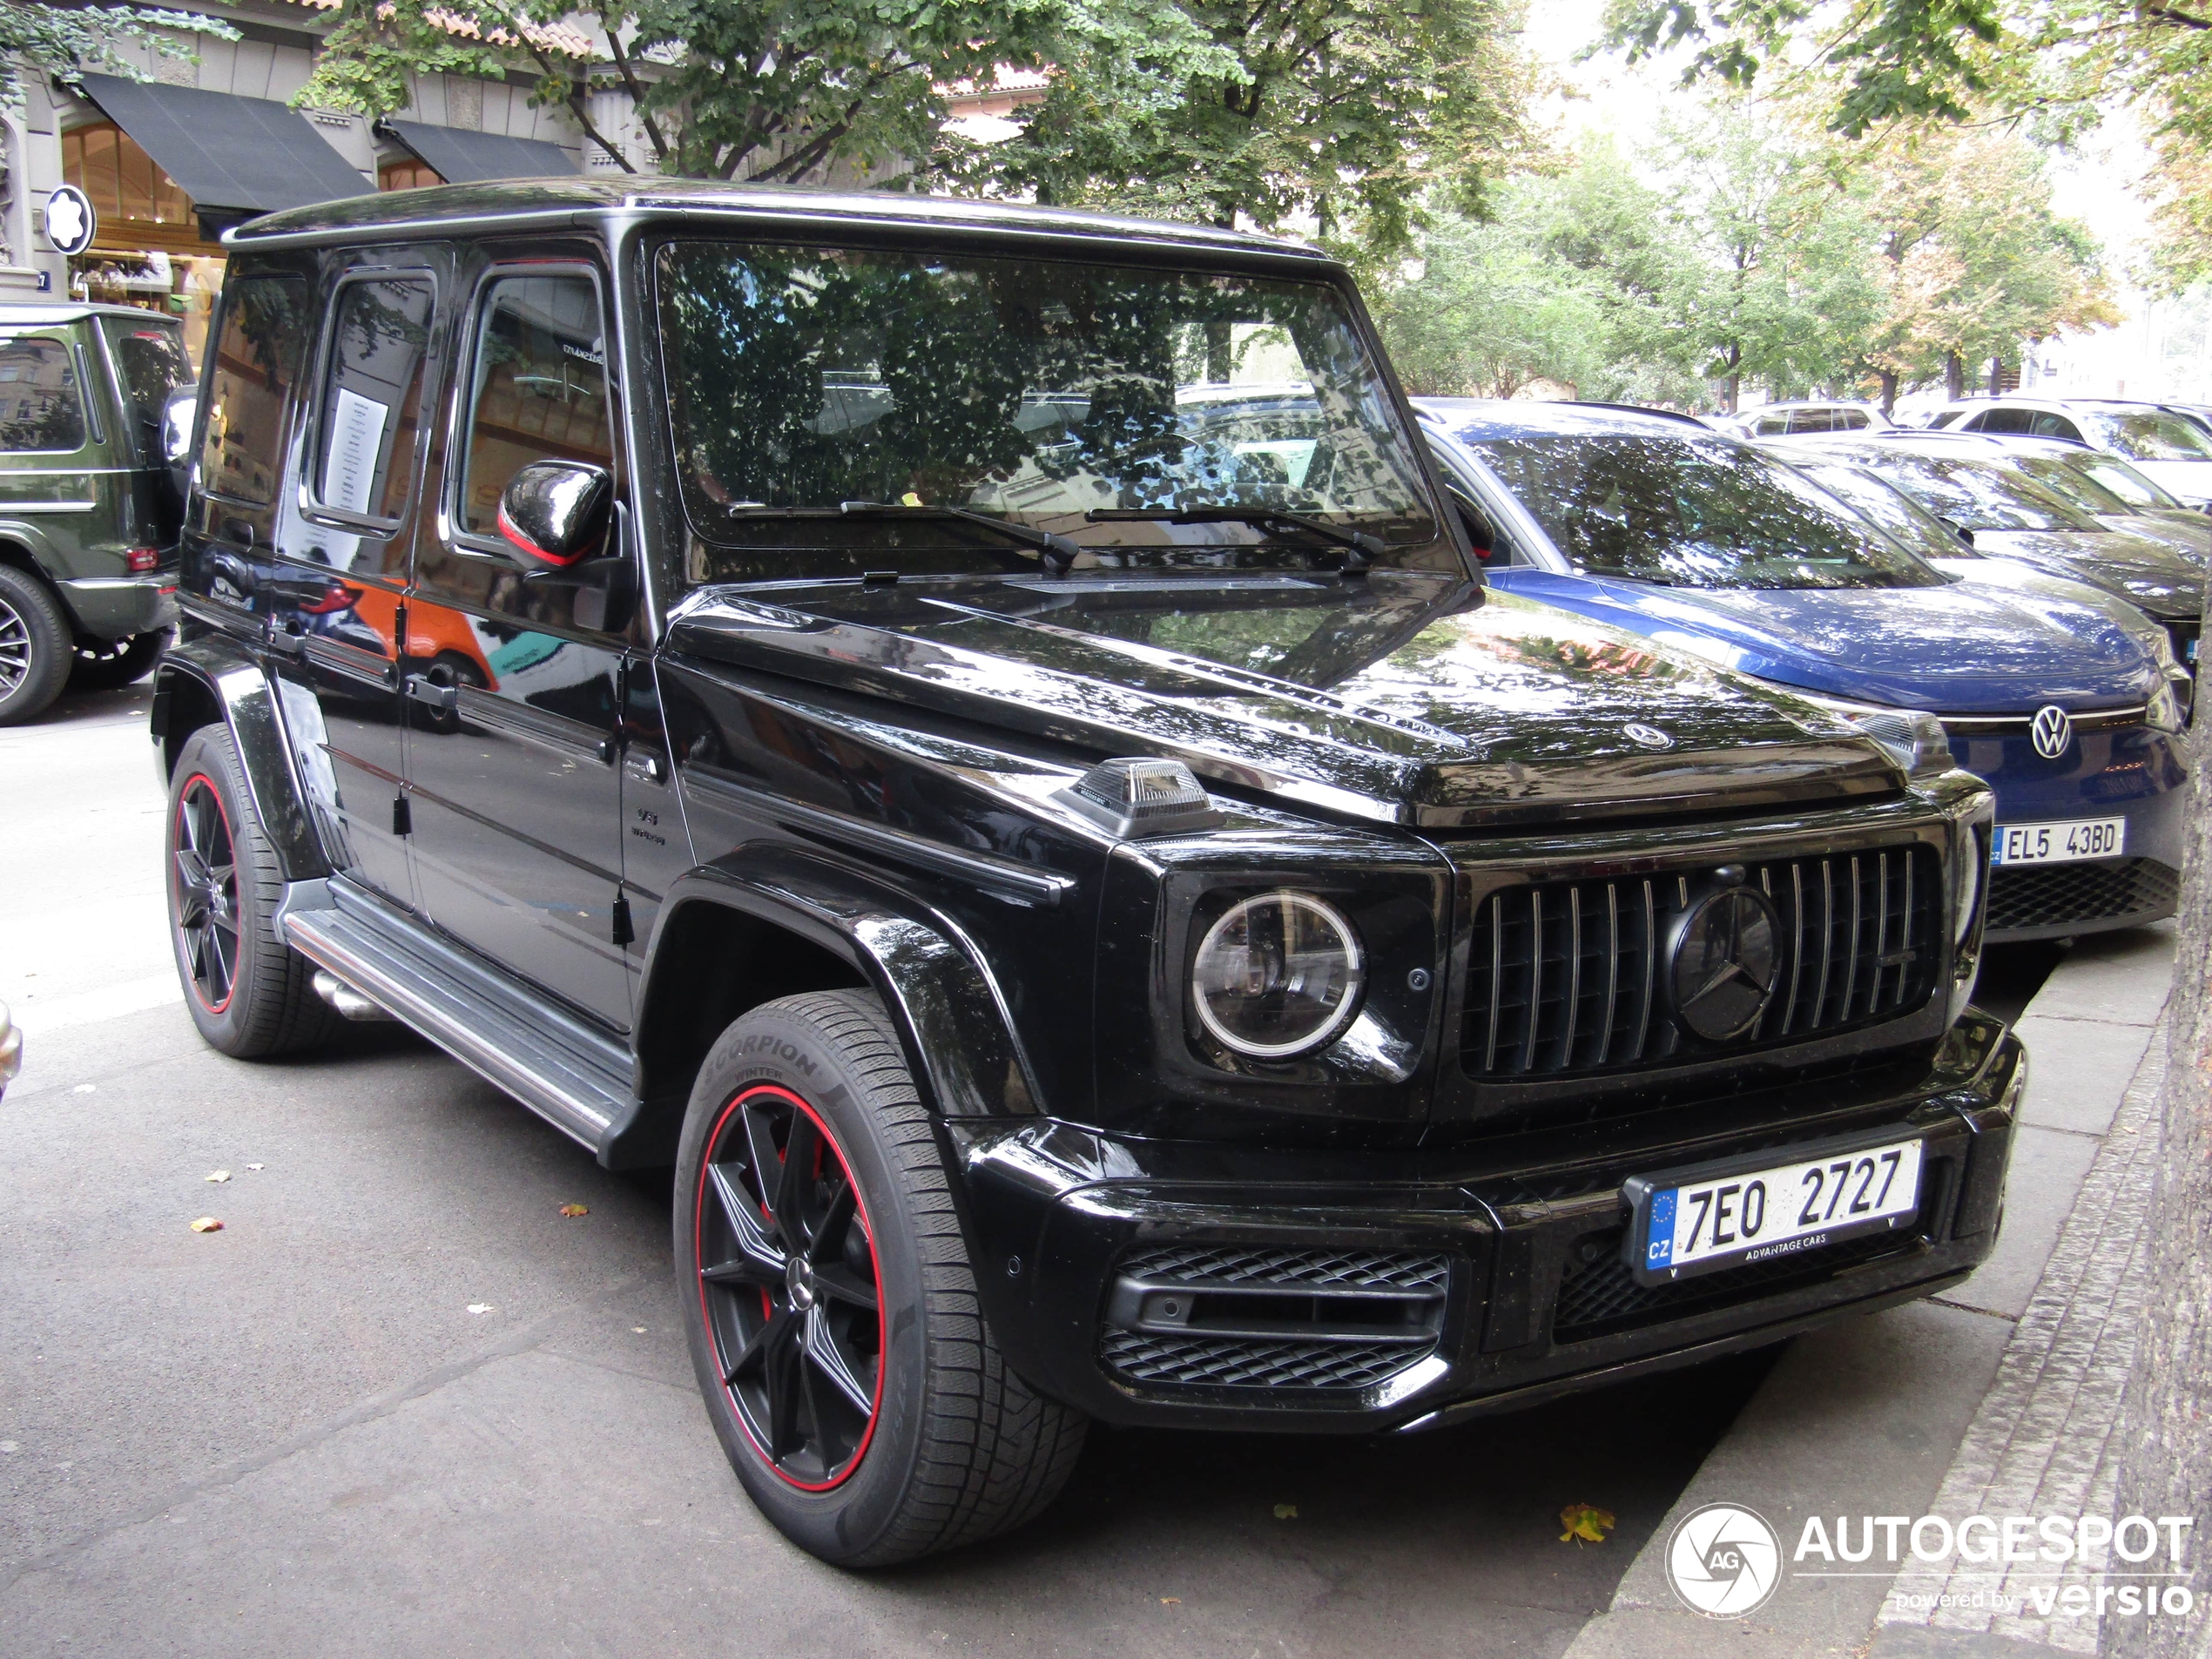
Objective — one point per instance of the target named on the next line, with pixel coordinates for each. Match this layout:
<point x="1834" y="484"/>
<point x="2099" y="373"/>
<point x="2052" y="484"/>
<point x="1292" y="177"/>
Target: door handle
<point x="444" y="698"/>
<point x="644" y="766"/>
<point x="287" y="636"/>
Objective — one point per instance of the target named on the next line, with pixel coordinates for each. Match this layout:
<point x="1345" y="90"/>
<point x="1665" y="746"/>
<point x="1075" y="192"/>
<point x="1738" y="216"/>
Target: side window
<point x="152" y="364"/>
<point x="1851" y="420"/>
<point x="371" y="407"/>
<point x="1811" y="421"/>
<point x="2056" y="426"/>
<point x="539" y="389"/>
<point x="257" y="364"/>
<point x="40" y="409"/>
<point x="2006" y="420"/>
<point x="1772" y="426"/>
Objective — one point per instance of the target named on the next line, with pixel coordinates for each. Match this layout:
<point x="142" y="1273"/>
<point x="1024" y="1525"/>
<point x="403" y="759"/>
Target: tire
<point x="36" y="647"/>
<point x="906" y="1433"/>
<point x="251" y="995"/>
<point x="113" y="665"/>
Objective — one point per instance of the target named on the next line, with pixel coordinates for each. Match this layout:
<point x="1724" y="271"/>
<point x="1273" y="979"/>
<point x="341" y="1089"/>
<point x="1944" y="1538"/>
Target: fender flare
<point x="38" y="554"/>
<point x="951" y="1016"/>
<point x="231" y="681"/>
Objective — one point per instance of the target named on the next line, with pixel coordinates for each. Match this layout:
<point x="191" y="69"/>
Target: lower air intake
<point x="2063" y="894"/>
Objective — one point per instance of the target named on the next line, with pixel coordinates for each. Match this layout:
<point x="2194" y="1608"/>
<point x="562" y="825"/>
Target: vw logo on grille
<point x="1649" y="736"/>
<point x="2052" y="730"/>
<point x="1724" y="963"/>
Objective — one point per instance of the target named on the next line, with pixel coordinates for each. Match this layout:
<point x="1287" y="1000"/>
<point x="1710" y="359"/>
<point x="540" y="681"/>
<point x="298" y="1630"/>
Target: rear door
<point x="515" y="688"/>
<point x="343" y="531"/>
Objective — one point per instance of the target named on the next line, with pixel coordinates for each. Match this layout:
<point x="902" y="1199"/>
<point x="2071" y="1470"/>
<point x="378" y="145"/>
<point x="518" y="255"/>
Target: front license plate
<point x="2082" y="838"/>
<point x="1689" y="1226"/>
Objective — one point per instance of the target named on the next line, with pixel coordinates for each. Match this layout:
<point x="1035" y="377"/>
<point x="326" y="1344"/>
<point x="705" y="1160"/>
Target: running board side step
<point x="569" y="1075"/>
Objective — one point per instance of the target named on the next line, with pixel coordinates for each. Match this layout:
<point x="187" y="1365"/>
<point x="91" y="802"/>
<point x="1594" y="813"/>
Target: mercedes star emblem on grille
<point x="1649" y="736"/>
<point x="1724" y="963"/>
<point x="2053" y="731"/>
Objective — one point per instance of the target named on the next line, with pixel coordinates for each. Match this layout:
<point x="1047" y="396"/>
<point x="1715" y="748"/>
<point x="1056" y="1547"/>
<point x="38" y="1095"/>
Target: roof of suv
<point x="51" y="312"/>
<point x="441" y="210"/>
<point x="1485" y="417"/>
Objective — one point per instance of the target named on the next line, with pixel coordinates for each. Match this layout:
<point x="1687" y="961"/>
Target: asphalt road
<point x="400" y="1405"/>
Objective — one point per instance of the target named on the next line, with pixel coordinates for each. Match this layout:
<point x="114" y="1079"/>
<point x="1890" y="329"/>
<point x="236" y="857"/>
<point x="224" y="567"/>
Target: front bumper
<point x="116" y="607"/>
<point x="1363" y="1291"/>
<point x="2130" y="772"/>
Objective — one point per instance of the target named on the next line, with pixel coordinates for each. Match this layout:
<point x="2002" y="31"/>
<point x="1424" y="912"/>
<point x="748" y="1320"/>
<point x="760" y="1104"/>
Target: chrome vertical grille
<point x="1567" y="977"/>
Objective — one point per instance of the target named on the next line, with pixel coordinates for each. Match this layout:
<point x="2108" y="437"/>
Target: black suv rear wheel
<point x="834" y="1321"/>
<point x="247" y="990"/>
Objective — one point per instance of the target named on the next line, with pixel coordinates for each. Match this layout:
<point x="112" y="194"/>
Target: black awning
<point x="234" y="156"/>
<point x="460" y="157"/>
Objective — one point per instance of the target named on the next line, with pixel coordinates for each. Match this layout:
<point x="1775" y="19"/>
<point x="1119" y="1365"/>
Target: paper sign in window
<point x="356" y="442"/>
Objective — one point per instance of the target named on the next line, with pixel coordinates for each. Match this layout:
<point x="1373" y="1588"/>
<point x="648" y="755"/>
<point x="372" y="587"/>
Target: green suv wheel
<point x="833" y="1316"/>
<point x="111" y="665"/>
<point x="35" y="650"/>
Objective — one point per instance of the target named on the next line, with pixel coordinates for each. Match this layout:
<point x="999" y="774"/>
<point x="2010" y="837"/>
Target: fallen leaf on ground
<point x="1170" y="1600"/>
<point x="207" y="1225"/>
<point x="221" y="1174"/>
<point x="1585" y="1522"/>
<point x="1286" y="1512"/>
<point x="638" y="1329"/>
<point x="574" y="1210"/>
<point x="481" y="1307"/>
<point x="257" y="1166"/>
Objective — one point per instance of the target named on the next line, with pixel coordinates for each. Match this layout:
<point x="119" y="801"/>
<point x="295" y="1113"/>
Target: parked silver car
<point x="2166" y="443"/>
<point x="1800" y="416"/>
<point x="2112" y="492"/>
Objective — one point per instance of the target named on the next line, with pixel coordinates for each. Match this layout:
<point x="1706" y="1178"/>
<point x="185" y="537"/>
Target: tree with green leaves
<point x="1350" y="112"/>
<point x="722" y="89"/>
<point x="72" y="41"/>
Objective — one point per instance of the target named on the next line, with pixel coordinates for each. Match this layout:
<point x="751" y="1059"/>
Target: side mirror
<point x="555" y="512"/>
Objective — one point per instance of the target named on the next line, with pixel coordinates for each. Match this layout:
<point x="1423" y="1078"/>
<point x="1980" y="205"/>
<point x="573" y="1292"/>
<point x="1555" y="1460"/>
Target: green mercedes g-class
<point x="88" y="514"/>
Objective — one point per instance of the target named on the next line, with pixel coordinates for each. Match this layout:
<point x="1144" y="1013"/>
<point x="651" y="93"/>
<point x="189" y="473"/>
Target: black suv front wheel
<point x="834" y="1321"/>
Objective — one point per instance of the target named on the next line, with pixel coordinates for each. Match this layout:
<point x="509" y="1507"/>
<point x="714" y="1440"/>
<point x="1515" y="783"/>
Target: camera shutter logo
<point x="2053" y="731"/>
<point x="1723" y="1561"/>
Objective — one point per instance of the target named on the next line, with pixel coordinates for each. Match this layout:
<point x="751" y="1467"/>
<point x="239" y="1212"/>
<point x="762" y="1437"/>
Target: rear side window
<point x="1811" y="421"/>
<point x="540" y="389"/>
<point x="256" y="366"/>
<point x="372" y="401"/>
<point x="41" y="411"/>
<point x="1851" y="420"/>
<point x="151" y="365"/>
<point x="2000" y="420"/>
<point x="2056" y="426"/>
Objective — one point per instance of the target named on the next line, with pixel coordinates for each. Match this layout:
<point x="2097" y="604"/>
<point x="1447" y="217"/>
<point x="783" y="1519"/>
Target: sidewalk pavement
<point x="1998" y="1399"/>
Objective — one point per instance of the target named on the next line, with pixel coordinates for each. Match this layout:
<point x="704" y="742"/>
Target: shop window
<point x="107" y="164"/>
<point x="406" y="175"/>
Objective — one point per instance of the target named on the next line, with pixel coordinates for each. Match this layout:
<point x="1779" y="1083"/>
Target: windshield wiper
<point x="1057" y="553"/>
<point x="1360" y="549"/>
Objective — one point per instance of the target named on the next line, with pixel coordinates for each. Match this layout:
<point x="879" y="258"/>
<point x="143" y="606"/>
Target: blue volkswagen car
<point x="1659" y="524"/>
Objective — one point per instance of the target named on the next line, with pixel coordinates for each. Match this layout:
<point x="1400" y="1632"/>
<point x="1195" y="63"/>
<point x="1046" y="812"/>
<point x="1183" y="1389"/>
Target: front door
<point x="513" y="676"/>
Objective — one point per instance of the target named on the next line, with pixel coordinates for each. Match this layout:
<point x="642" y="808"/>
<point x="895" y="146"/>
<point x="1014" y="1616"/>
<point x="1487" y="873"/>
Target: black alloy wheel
<point x="36" y="649"/>
<point x="111" y="664"/>
<point x="204" y="869"/>
<point x="789" y="1287"/>
<point x="836" y="1327"/>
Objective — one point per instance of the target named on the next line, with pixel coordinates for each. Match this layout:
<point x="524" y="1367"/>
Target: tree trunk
<point x="1954" y="376"/>
<point x="1996" y="377"/>
<point x="1221" y="356"/>
<point x="1889" y="394"/>
<point x="2166" y="1425"/>
<point x="1735" y="381"/>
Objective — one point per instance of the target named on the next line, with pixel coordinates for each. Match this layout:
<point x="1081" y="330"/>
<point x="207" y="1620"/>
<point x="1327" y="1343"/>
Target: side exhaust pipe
<point x="343" y="997"/>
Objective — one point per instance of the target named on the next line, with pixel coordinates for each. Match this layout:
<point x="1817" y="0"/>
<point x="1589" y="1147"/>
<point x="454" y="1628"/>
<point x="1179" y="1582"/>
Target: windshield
<point x="2123" y="481"/>
<point x="2152" y="435"/>
<point x="1694" y="513"/>
<point x="1883" y="504"/>
<point x="2076" y="488"/>
<point x="1037" y="392"/>
<point x="1978" y="494"/>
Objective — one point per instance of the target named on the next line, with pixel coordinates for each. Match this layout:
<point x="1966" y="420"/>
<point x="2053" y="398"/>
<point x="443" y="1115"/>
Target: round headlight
<point x="1277" y="974"/>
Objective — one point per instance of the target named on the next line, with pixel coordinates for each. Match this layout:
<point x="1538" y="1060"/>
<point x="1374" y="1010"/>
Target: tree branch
<point x="637" y="95"/>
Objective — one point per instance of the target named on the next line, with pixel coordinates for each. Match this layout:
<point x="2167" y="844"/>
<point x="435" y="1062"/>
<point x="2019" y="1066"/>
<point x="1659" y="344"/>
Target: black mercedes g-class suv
<point x="975" y="733"/>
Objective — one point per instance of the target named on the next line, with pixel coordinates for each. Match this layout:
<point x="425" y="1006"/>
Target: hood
<point x="2187" y="533"/>
<point x="1404" y="698"/>
<point x="2162" y="581"/>
<point x="1959" y="648"/>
